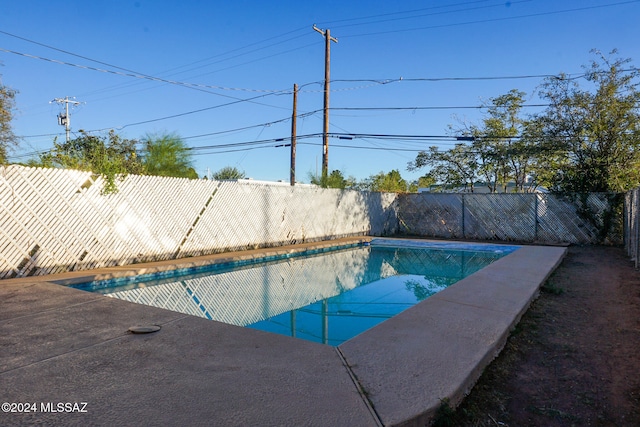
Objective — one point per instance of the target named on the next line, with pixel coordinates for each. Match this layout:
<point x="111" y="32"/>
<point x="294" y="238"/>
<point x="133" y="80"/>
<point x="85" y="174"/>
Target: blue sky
<point x="223" y="72"/>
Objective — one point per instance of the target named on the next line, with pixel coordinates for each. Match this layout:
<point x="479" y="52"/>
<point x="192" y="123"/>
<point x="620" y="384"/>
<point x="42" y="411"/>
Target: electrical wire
<point x="142" y="76"/>
<point x="344" y="136"/>
<point x="181" y="114"/>
<point x="413" y="108"/>
<point x="413" y="11"/>
<point x="390" y="108"/>
<point x="285" y="91"/>
<point x="129" y="72"/>
<point x="286" y="119"/>
<point x="241" y="48"/>
<point x="414" y="15"/>
<point x="475" y="107"/>
<point x="482" y="21"/>
<point x="446" y="140"/>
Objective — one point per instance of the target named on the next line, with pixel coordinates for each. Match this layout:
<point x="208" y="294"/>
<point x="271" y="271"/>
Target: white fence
<point x="523" y="217"/>
<point x="56" y="220"/>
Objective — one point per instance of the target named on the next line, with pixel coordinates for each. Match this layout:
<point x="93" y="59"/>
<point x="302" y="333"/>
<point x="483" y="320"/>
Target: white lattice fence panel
<point x="48" y="237"/>
<point x="106" y="247"/>
<point x="527" y="217"/>
<point x="320" y="219"/>
<point x="559" y="221"/>
<point x="59" y="220"/>
<point x="151" y="216"/>
<point x="243" y="216"/>
<point x="499" y="216"/>
<point x="17" y="241"/>
<point x="232" y="219"/>
<point x="350" y="213"/>
<point x="300" y="216"/>
<point x="431" y="215"/>
<point x="382" y="210"/>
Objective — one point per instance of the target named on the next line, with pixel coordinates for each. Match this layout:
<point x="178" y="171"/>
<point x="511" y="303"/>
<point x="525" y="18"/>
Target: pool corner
<point x="437" y="349"/>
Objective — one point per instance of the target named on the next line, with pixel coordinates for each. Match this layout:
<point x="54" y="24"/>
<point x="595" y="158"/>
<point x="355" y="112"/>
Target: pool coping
<point x="394" y="374"/>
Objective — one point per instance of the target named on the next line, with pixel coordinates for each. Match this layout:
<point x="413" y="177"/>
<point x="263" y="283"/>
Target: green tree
<point x="547" y="159"/>
<point x="595" y="133"/>
<point x="424" y="181"/>
<point x="111" y="157"/>
<point x="501" y="144"/>
<point x="335" y="179"/>
<point x="7" y="137"/>
<point x="500" y="138"/>
<point x="455" y="167"/>
<point x="586" y="140"/>
<point x="167" y="155"/>
<point x="390" y="182"/>
<point x="229" y="172"/>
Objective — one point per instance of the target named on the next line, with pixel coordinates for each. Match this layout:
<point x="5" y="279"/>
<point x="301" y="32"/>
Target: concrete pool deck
<point x="62" y="345"/>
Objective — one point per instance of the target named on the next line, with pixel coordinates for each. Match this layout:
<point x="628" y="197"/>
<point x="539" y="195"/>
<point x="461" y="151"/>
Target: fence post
<point x="626" y="222"/>
<point x="636" y="193"/>
<point x="463" y="231"/>
<point x="535" y="217"/>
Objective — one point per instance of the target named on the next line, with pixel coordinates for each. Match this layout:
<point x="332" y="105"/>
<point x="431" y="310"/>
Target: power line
<point x="454" y="79"/>
<point x="244" y="47"/>
<point x="267" y="124"/>
<point x="135" y="75"/>
<point x="181" y="114"/>
<point x="367" y="148"/>
<point x="345" y="136"/>
<point x="286" y="119"/>
<point x="284" y="91"/>
<point x="440" y="139"/>
<point x="341" y="136"/>
<point x="572" y="76"/>
<point x="475" y="107"/>
<point x="414" y="15"/>
<point x="413" y="11"/>
<point x="482" y="21"/>
<point x="67" y="52"/>
<point x="303" y="115"/>
<point x="149" y="77"/>
<point x="143" y="76"/>
<point x="382" y="81"/>
<point x="234" y="151"/>
<point x="130" y="73"/>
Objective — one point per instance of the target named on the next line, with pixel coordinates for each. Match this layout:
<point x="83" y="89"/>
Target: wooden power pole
<point x="292" y="171"/>
<point x="327" y="67"/>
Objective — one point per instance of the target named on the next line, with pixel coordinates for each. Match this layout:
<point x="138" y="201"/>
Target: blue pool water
<point x="326" y="297"/>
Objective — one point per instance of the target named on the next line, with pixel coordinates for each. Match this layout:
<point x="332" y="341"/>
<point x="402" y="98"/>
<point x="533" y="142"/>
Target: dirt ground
<point x="574" y="359"/>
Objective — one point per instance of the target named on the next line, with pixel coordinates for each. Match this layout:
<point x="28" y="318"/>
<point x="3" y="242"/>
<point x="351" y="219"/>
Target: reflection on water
<point x="326" y="298"/>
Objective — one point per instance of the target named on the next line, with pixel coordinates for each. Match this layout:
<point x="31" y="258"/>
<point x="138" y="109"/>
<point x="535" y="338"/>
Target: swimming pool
<point x="323" y="296"/>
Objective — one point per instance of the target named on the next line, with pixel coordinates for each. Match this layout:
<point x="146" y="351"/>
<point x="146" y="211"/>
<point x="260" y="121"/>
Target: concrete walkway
<point x="64" y="346"/>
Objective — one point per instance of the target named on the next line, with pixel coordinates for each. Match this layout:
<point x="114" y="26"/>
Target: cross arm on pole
<point x="324" y="34"/>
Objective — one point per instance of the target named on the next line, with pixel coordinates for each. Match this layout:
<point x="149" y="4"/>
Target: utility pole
<point x="63" y="118"/>
<point x="292" y="172"/>
<point x="327" y="66"/>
